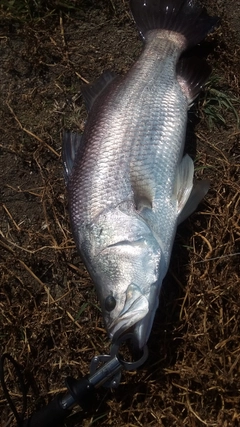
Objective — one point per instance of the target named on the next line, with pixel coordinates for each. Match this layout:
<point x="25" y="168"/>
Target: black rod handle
<point x="50" y="416"/>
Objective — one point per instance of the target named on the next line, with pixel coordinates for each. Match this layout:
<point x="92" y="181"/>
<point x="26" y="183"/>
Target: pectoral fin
<point x="198" y="192"/>
<point x="183" y="182"/>
<point x="188" y="195"/>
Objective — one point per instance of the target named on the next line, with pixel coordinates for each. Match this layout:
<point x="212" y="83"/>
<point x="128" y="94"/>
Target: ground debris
<point x="50" y="320"/>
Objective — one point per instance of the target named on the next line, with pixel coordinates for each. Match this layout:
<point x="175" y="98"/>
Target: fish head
<point x="127" y="272"/>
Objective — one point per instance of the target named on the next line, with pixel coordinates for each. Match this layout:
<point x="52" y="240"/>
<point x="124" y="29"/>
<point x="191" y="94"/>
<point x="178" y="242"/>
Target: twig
<point x="81" y="77"/>
<point x="217" y="257"/>
<point x="31" y="133"/>
<point x="10" y="216"/>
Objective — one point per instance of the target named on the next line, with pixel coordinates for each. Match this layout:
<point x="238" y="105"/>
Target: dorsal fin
<point x="92" y="91"/>
<point x="71" y="143"/>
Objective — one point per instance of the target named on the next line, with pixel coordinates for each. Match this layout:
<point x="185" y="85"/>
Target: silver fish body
<point x="128" y="184"/>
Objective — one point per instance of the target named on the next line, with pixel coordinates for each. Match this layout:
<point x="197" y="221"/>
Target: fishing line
<point x="17" y="367"/>
<point x="105" y="370"/>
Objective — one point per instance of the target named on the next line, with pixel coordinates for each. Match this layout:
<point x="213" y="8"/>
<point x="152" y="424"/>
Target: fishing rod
<point x="104" y="370"/>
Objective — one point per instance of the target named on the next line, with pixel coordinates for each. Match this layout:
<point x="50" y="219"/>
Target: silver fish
<point x="128" y="184"/>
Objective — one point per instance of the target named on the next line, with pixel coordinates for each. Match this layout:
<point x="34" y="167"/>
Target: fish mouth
<point x="135" y="308"/>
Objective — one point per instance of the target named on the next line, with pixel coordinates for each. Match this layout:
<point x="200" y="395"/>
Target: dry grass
<point x="49" y="315"/>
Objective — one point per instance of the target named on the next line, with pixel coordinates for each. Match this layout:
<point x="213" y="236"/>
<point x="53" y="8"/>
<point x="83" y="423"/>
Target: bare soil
<point x="50" y="318"/>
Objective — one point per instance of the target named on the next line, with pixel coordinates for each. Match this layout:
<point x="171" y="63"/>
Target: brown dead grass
<point x="49" y="315"/>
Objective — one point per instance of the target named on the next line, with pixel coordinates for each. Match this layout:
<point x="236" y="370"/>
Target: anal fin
<point x="192" y="74"/>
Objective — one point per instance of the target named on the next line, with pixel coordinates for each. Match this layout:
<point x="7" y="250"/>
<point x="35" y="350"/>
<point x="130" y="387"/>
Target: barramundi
<point x="129" y="184"/>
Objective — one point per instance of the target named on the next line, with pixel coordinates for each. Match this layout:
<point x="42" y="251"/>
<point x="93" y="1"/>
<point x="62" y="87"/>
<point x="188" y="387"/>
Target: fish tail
<point x="186" y="17"/>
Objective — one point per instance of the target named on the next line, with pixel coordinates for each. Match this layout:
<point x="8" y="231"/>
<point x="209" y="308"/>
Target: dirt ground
<point x="50" y="318"/>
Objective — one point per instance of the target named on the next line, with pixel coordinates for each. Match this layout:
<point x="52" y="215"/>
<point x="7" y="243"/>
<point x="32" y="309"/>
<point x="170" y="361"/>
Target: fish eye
<point x="110" y="303"/>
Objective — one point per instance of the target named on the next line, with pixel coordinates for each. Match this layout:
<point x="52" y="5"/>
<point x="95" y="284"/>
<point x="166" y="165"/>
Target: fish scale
<point x="128" y="183"/>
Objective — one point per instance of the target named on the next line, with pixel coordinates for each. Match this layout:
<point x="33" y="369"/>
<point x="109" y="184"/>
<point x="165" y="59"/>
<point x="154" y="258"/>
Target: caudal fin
<point x="181" y="16"/>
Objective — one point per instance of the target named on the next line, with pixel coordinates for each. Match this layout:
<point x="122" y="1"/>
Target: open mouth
<point x="136" y="308"/>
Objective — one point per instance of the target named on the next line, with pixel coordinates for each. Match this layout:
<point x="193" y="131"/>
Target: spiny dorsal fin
<point x="71" y="143"/>
<point x="92" y="91"/>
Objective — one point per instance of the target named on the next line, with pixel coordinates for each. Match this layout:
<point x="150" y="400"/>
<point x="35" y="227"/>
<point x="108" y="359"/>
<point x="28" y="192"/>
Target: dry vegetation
<point x="49" y="316"/>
